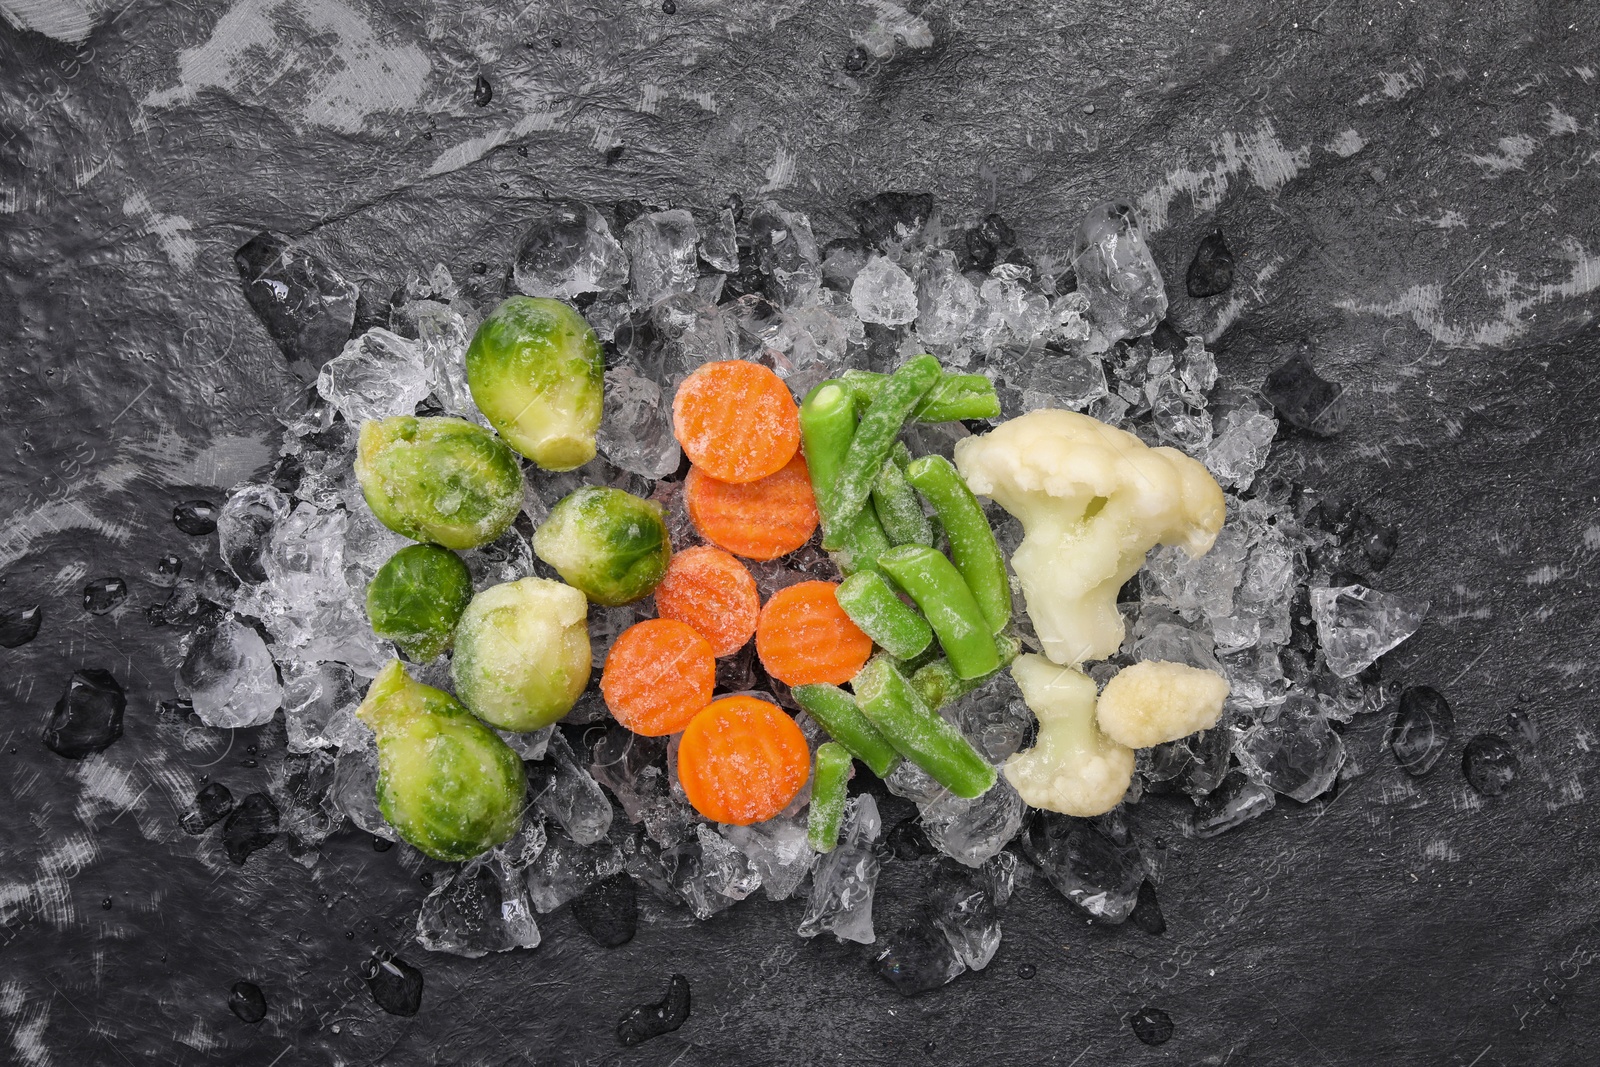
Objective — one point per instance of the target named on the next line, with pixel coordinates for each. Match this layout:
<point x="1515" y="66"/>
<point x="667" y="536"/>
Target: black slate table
<point x="1411" y="190"/>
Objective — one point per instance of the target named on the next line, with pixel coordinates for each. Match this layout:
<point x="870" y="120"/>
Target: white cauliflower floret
<point x="1073" y="768"/>
<point x="1093" y="500"/>
<point x="1153" y="702"/>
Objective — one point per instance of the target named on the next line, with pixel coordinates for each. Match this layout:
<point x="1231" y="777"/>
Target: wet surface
<point x="1407" y="192"/>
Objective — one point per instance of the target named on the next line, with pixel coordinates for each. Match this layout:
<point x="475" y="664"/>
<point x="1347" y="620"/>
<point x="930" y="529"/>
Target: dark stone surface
<point x="1408" y="190"/>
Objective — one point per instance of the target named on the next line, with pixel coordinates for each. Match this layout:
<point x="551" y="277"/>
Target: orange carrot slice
<point x="803" y="637"/>
<point x="736" y="420"/>
<point x="711" y="591"/>
<point x="761" y="520"/>
<point x="742" y="760"/>
<point x="659" y="674"/>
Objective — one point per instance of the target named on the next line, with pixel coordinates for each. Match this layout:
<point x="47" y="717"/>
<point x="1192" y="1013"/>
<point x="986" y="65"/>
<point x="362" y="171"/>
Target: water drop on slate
<point x="211" y="805"/>
<point x="1490" y="764"/>
<point x="247" y="1001"/>
<point x="103" y="594"/>
<point x="396" y="985"/>
<point x="1211" y="270"/>
<point x="1147" y="912"/>
<point x="168" y="568"/>
<point x="608" y="911"/>
<point x="482" y="91"/>
<point x="88" y="717"/>
<point x="196" y="518"/>
<point x="653" y="1020"/>
<point x="252" y="826"/>
<point x="18" y="626"/>
<point x="1422" y="728"/>
<point x="1026" y="970"/>
<point x="1152" y="1026"/>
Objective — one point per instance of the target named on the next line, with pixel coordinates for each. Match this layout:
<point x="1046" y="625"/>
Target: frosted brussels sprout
<point x="537" y="373"/>
<point x="609" y="544"/>
<point x="522" y="653"/>
<point x="446" y="783"/>
<point x="442" y="480"/>
<point x="417" y="597"/>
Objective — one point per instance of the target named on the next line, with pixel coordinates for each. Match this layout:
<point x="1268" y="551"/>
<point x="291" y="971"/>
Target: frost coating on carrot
<point x="804" y="637"/>
<point x="742" y="760"/>
<point x="659" y="674"/>
<point x="736" y="420"/>
<point x="759" y="520"/>
<point x="710" y="590"/>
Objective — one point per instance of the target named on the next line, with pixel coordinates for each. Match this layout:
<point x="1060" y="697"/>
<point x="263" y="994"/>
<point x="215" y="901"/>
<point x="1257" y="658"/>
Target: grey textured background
<point x="1412" y="190"/>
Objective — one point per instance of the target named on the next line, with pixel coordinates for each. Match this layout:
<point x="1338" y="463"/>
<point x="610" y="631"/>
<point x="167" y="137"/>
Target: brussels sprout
<point x="442" y="480"/>
<point x="522" y="653"/>
<point x="446" y="783"/>
<point x="417" y="597"/>
<point x="537" y="373"/>
<point x="608" y="543"/>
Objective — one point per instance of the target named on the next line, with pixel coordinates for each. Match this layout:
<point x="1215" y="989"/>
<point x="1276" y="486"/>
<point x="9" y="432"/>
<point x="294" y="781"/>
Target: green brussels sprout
<point x="537" y="373"/>
<point x="417" y="597"/>
<point x="608" y="543"/>
<point x="436" y="479"/>
<point x="446" y="783"/>
<point x="522" y="653"/>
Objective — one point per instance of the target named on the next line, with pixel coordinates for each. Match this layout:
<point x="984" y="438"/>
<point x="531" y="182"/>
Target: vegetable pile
<point x="818" y="605"/>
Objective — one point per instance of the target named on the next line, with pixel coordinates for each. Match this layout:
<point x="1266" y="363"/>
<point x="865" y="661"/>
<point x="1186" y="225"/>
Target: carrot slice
<point x="659" y="674"/>
<point x="742" y="760"/>
<point x="736" y="420"/>
<point x="804" y="638"/>
<point x="711" y="591"/>
<point x="757" y="520"/>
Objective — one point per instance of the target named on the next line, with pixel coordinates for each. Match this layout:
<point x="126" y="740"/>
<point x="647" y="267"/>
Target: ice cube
<point x="843" y="881"/>
<point x="972" y="831"/>
<point x="307" y="307"/>
<point x="994" y="717"/>
<point x="444" y="329"/>
<point x="88" y="717"/>
<point x="964" y="904"/>
<point x="1094" y="863"/>
<point x="778" y="849"/>
<point x="507" y="558"/>
<point x="1242" y="443"/>
<point x="530" y="746"/>
<point x="1159" y="635"/>
<point x="1178" y="415"/>
<point x="946" y="301"/>
<point x="1010" y="314"/>
<point x="1061" y="380"/>
<point x="1356" y="625"/>
<point x="725" y="869"/>
<point x="564" y="791"/>
<point x="632" y="766"/>
<point x="785" y="250"/>
<point x="1117" y="274"/>
<point x="1237" y="801"/>
<point x="662" y="249"/>
<point x="565" y="869"/>
<point x="229" y="676"/>
<point x="244" y="527"/>
<point x="569" y="251"/>
<point x="892" y="219"/>
<point x="482" y="909"/>
<point x="302" y="787"/>
<point x="355" y="781"/>
<point x="918" y="958"/>
<point x="842" y="260"/>
<point x="1296" y="753"/>
<point x="377" y="375"/>
<point x="912" y="782"/>
<point x="719" y="241"/>
<point x="637" y="433"/>
<point x="884" y="293"/>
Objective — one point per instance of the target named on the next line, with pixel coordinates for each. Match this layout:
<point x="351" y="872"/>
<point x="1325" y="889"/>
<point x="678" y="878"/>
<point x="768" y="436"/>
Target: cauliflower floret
<point x="1073" y="768"/>
<point x="1093" y="500"/>
<point x="1153" y="702"/>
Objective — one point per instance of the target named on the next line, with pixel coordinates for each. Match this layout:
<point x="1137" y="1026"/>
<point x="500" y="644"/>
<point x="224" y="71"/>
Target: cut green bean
<point x="873" y="606"/>
<point x="876" y="433"/>
<point x="827" y="424"/>
<point x="836" y="712"/>
<point x="972" y="545"/>
<point x="898" y="508"/>
<point x="921" y="735"/>
<point x="936" y="683"/>
<point x="953" y="396"/>
<point x="829" y="781"/>
<point x="938" y="589"/>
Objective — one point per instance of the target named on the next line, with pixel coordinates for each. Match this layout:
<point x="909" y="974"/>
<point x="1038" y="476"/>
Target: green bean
<point x="972" y="545"/>
<point x="828" y="787"/>
<point x="953" y="397"/>
<point x="898" y="509"/>
<point x="875" y="435"/>
<point x="933" y="582"/>
<point x="873" y="606"/>
<point x="936" y="683"/>
<point x="921" y="735"/>
<point x="827" y="424"/>
<point x="835" y="710"/>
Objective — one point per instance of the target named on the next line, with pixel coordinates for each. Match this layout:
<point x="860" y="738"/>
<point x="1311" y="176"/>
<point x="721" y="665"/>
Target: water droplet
<point x="1421" y="731"/>
<point x="88" y="717"/>
<point x="482" y="91"/>
<point x="653" y="1020"/>
<point x="1152" y="1026"/>
<point x="1026" y="970"/>
<point x="396" y="985"/>
<point x="669" y="7"/>
<point x="1490" y="764"/>
<point x="247" y="1002"/>
<point x="103" y="594"/>
<point x="196" y="518"/>
<point x="18" y="626"/>
<point x="106" y="903"/>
